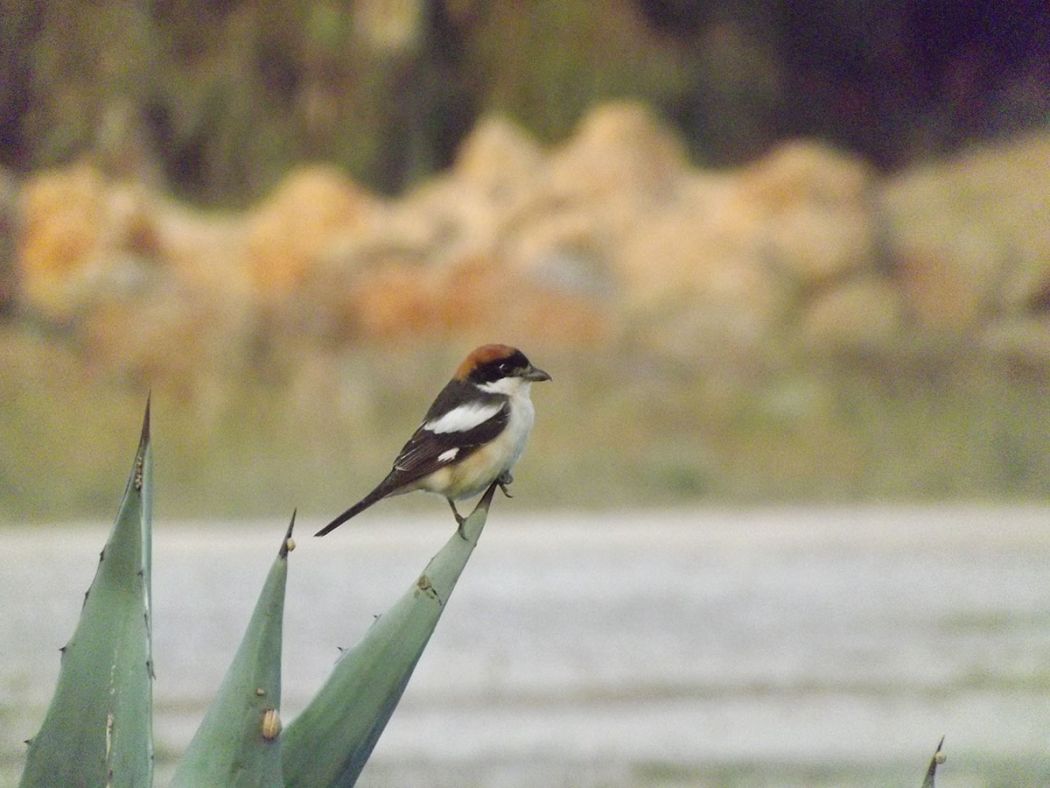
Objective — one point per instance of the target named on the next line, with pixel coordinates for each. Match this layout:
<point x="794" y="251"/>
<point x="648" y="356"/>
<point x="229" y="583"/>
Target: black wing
<point x="428" y="451"/>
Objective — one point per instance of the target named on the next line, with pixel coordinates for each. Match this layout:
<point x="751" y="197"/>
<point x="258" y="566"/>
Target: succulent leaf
<point x="98" y="728"/>
<point x="935" y="761"/>
<point x="239" y="743"/>
<point x="330" y="741"/>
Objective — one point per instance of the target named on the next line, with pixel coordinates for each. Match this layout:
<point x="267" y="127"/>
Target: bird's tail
<point x="380" y="492"/>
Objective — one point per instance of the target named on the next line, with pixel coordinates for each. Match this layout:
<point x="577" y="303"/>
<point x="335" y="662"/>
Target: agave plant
<point x="936" y="760"/>
<point x="98" y="728"/>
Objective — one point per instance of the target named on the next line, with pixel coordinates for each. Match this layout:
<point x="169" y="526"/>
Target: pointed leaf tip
<point x="146" y="418"/>
<point x="330" y="740"/>
<point x="98" y="725"/>
<point x="288" y="544"/>
<point x="937" y="759"/>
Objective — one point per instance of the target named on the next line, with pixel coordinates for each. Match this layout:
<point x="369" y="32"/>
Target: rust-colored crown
<point x="483" y="355"/>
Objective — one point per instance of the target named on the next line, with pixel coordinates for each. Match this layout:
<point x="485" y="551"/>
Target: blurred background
<point x="769" y="253"/>
<point x="774" y="254"/>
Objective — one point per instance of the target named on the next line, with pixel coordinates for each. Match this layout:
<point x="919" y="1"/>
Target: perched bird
<point x="472" y="435"/>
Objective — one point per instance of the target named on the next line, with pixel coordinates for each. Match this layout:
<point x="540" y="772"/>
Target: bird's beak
<point x="535" y="375"/>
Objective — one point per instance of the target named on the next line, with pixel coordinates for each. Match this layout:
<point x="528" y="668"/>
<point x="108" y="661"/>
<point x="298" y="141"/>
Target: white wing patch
<point x="463" y="418"/>
<point x="448" y="456"/>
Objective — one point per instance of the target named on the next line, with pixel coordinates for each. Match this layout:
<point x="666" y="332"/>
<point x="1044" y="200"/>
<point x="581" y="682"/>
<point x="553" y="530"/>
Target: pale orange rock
<point x="810" y="211"/>
<point x="968" y="237"/>
<point x="806" y="171"/>
<point x="76" y="226"/>
<point x="862" y="315"/>
<point x="392" y="302"/>
<point x="499" y="157"/>
<point x="304" y="216"/>
<point x="619" y="147"/>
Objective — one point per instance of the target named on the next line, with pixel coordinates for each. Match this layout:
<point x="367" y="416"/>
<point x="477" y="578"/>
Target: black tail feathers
<point x="380" y="492"/>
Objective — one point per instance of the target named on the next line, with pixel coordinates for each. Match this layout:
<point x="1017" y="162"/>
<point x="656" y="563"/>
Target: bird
<point x="470" y="438"/>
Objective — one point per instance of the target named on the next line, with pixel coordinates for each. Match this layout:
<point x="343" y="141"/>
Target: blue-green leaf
<point x="330" y="741"/>
<point x="239" y="743"/>
<point x="98" y="729"/>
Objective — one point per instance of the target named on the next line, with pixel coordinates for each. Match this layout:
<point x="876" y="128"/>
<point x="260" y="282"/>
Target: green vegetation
<point x="331" y="740"/>
<point x="221" y="98"/>
<point x="99" y="726"/>
<point x="237" y="744"/>
<point x="936" y="760"/>
<point x="98" y="729"/>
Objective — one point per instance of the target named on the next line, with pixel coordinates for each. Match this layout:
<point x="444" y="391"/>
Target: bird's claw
<point x="460" y="519"/>
<point x="504" y="481"/>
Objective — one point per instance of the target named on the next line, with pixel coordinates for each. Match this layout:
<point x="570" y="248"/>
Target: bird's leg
<point x="460" y="519"/>
<point x="503" y="481"/>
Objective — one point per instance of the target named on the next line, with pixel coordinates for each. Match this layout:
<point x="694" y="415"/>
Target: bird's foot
<point x="460" y="519"/>
<point x="504" y="481"/>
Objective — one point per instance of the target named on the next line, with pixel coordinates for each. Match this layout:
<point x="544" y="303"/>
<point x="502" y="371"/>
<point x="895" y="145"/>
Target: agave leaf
<point x="98" y="729"/>
<point x="330" y="741"/>
<point x="238" y="743"/>
<point x="935" y="761"/>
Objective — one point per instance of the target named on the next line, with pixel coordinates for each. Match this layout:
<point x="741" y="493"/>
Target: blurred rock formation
<point x="611" y="237"/>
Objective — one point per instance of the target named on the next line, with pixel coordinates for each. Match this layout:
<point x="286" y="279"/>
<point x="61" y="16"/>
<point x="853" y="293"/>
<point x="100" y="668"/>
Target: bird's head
<point x="499" y="368"/>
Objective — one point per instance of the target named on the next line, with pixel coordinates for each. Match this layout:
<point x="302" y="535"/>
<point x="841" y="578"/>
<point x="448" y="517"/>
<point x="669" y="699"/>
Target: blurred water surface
<point x="807" y="646"/>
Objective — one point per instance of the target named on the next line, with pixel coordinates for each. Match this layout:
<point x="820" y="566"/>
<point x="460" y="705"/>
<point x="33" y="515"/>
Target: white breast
<point x="519" y="425"/>
<point x="480" y="469"/>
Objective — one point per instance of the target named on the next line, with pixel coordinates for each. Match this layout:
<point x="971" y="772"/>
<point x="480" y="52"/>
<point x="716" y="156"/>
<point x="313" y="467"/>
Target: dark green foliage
<point x="223" y="97"/>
